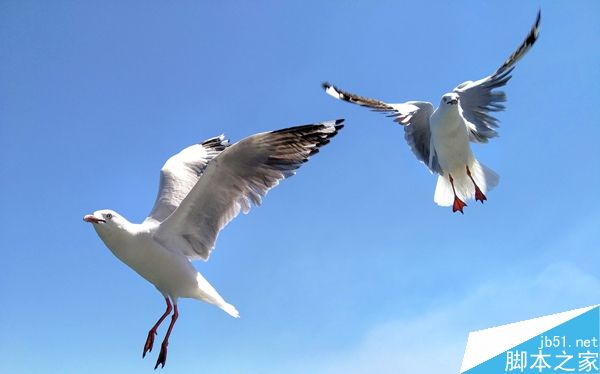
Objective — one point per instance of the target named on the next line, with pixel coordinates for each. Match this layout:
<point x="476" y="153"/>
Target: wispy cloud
<point x="434" y="341"/>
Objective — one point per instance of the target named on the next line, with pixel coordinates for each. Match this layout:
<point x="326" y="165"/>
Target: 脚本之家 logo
<point x="566" y="342"/>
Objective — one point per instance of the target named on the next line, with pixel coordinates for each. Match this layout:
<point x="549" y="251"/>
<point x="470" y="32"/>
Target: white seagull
<point x="202" y="188"/>
<point x="440" y="138"/>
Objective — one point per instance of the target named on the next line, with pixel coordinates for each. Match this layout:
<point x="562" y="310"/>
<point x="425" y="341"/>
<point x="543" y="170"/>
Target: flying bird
<point x="202" y="188"/>
<point x="440" y="138"/>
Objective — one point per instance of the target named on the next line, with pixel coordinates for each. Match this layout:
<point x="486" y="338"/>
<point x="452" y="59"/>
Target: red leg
<point x="162" y="356"/>
<point x="152" y="332"/>
<point x="458" y="203"/>
<point x="479" y="196"/>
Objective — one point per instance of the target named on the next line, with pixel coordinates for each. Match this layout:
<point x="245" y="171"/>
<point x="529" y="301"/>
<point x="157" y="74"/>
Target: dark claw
<point x="458" y="205"/>
<point x="149" y="343"/>
<point x="162" y="356"/>
<point x="479" y="196"/>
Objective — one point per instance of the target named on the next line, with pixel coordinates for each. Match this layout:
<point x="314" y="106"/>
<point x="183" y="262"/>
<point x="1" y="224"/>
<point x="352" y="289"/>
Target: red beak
<point x="93" y="219"/>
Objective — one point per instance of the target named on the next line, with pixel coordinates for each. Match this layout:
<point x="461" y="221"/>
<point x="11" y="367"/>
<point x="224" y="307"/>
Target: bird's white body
<point x="450" y="143"/>
<point x="449" y="139"/>
<point x="170" y="272"/>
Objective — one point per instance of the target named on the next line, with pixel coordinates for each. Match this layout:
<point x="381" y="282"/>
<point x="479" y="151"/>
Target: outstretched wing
<point x="418" y="135"/>
<point x="478" y="99"/>
<point x="181" y="172"/>
<point x="239" y="177"/>
<point x="414" y="115"/>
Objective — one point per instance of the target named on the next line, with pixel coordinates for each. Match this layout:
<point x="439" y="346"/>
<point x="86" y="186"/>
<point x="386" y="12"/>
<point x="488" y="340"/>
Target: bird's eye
<point x="109" y="215"/>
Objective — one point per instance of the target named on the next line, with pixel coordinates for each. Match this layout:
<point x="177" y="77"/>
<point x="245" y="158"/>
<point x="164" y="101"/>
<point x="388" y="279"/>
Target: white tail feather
<point x="443" y="192"/>
<point x="230" y="309"/>
<point x="485" y="178"/>
<point x="206" y="292"/>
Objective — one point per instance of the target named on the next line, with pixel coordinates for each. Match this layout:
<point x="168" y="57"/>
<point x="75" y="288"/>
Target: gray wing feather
<point x="418" y="135"/>
<point x="181" y="172"/>
<point x="235" y="180"/>
<point x="413" y="115"/>
<point x="478" y="99"/>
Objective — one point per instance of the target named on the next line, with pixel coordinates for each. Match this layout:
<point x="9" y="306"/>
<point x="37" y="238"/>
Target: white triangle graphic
<point x="486" y="344"/>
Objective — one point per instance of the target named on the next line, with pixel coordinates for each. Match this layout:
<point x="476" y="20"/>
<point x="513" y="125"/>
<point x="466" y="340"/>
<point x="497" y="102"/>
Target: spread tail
<point x="485" y="178"/>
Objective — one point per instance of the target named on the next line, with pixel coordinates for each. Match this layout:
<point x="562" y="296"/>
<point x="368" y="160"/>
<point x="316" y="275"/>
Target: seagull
<point x="440" y="138"/>
<point x="202" y="188"/>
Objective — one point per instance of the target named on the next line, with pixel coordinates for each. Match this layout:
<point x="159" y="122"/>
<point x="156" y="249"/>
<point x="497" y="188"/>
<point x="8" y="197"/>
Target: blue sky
<point x="348" y="267"/>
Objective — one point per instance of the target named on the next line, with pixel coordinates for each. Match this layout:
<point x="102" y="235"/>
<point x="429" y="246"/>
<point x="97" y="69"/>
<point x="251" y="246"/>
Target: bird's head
<point x="449" y="99"/>
<point x="106" y="222"/>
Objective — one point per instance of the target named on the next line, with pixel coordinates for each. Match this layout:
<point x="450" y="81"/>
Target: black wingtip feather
<point x="533" y="35"/>
<point x="311" y="127"/>
<point x="218" y="143"/>
<point x="306" y="139"/>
